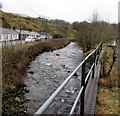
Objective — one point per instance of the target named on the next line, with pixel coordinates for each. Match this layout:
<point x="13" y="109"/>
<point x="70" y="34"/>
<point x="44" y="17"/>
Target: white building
<point x="8" y="34"/>
<point x="25" y="33"/>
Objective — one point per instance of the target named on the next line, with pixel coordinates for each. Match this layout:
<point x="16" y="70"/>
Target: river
<point x="46" y="73"/>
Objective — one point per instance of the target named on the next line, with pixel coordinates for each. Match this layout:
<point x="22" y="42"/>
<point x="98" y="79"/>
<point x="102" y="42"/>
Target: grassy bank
<point x="15" y="61"/>
<point x="109" y="89"/>
<point x="58" y="28"/>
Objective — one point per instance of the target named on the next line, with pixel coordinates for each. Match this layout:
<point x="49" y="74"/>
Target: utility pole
<point x="20" y="32"/>
<point x="119" y="38"/>
<point x="46" y="28"/>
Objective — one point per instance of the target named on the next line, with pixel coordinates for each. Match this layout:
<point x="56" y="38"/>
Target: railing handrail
<point x="42" y="109"/>
<point x="80" y="92"/>
<point x="52" y="97"/>
<point x="93" y="51"/>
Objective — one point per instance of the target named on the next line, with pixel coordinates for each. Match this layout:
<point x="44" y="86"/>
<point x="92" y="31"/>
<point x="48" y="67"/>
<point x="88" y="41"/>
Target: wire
<point x="26" y="5"/>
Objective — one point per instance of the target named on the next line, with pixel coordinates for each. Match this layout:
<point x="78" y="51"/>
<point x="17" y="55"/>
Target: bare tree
<point x="95" y="16"/>
<point x="93" y="32"/>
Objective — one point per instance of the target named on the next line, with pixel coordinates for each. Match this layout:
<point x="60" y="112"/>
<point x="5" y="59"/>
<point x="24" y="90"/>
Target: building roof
<point x="24" y="32"/>
<point x="34" y="33"/>
<point x="8" y="31"/>
<point x="44" y="33"/>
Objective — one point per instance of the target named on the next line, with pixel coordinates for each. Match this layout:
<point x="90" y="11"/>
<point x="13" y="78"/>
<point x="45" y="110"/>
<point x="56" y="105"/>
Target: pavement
<point x="90" y="101"/>
<point x="91" y="91"/>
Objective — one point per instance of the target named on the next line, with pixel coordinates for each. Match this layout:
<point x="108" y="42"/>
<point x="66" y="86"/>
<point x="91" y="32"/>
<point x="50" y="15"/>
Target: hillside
<point x="55" y="27"/>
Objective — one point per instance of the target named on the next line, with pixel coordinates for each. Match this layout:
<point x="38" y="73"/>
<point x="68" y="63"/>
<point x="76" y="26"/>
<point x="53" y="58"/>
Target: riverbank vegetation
<point x="109" y="87"/>
<point x="15" y="60"/>
<point x="91" y="33"/>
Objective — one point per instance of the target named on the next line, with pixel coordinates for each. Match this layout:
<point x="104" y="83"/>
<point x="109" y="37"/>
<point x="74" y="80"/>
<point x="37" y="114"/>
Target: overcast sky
<point x="119" y="11"/>
<point x="68" y="10"/>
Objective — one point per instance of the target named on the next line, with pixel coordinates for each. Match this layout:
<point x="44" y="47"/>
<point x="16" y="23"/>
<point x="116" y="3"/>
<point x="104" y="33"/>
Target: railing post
<point x="94" y="61"/>
<point x="101" y="47"/>
<point x="82" y="99"/>
<point x="97" y="55"/>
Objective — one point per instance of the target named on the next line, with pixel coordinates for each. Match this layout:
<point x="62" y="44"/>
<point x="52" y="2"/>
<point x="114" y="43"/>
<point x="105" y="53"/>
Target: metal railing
<point x="92" y="58"/>
<point x="10" y="43"/>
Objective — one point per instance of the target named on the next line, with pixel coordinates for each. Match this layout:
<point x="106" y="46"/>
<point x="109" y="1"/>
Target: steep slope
<point x="55" y="27"/>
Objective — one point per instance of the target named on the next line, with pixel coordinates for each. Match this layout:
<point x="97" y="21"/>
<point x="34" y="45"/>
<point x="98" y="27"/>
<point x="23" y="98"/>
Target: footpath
<point x="92" y="88"/>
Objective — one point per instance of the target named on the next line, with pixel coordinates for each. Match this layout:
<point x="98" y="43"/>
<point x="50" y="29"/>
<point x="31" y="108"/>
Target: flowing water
<point x="46" y="73"/>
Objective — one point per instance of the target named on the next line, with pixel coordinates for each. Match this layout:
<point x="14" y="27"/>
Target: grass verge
<point x="109" y="89"/>
<point x="15" y="60"/>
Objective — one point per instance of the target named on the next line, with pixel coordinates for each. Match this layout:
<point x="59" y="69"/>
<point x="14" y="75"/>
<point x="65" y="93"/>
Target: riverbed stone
<point x="50" y="70"/>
